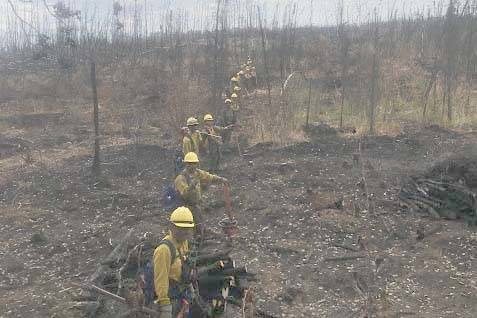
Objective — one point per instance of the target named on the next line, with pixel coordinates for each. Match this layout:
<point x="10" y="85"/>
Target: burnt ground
<point x="297" y="207"/>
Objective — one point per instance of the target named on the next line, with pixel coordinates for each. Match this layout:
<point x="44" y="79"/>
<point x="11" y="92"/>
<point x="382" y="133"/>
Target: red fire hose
<point x="228" y="202"/>
<point x="229" y="224"/>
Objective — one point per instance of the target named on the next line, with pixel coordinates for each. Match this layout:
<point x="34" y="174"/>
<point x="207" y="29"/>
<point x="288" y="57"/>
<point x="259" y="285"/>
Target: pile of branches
<point x="441" y="198"/>
<point x="214" y="277"/>
<point x="115" y="289"/>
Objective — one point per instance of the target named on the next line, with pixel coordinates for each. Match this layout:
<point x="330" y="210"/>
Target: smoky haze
<point x="200" y="13"/>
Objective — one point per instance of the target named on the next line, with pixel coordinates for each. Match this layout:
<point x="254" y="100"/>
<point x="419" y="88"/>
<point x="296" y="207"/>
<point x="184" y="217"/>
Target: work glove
<point x="165" y="311"/>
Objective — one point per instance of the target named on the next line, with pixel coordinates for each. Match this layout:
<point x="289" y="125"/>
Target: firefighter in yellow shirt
<point x="190" y="183"/>
<point x="213" y="141"/>
<point x="192" y="141"/>
<point x="235" y="106"/>
<point x="168" y="263"/>
<point x="234" y="81"/>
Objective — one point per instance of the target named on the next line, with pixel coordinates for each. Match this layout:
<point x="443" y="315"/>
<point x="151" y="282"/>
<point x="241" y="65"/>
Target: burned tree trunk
<point x="451" y="43"/>
<point x="373" y="94"/>
<point x="344" y="48"/>
<point x="430" y="85"/>
<point x="96" y="159"/>
<point x="265" y="62"/>
<point x="308" y="106"/>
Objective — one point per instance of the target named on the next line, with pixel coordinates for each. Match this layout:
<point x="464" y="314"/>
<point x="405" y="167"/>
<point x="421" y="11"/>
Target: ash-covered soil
<point x="302" y="209"/>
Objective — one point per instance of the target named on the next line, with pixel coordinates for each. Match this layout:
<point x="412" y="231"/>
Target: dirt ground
<point x="298" y="207"/>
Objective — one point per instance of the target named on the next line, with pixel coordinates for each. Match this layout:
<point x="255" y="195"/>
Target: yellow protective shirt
<point x="164" y="271"/>
<point x="191" y="143"/>
<point x="235" y="106"/>
<point x="193" y="196"/>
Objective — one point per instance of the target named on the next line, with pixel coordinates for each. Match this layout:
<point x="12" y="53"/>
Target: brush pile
<point x="447" y="191"/>
<point x="118" y="289"/>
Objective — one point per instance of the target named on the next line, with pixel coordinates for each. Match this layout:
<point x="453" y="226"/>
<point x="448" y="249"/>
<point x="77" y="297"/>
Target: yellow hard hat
<point x="191" y="157"/>
<point x="234" y="79"/>
<point x="208" y="117"/>
<point x="240" y="73"/>
<point x="237" y="88"/>
<point x="228" y="101"/>
<point x="182" y="217"/>
<point x="234" y="95"/>
<point x="192" y="121"/>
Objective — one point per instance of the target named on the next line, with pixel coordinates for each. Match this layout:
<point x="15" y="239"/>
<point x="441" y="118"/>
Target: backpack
<point x="149" y="290"/>
<point x="178" y="162"/>
<point x="172" y="198"/>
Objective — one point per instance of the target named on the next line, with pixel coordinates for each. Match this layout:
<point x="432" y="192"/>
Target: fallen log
<point x="103" y="270"/>
<point x="117" y="298"/>
<point x="120" y="251"/>
<point x="344" y="258"/>
<point x="346" y="247"/>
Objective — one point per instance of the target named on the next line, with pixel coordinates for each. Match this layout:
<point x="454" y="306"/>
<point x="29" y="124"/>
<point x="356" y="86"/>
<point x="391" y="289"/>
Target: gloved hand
<point x="224" y="180"/>
<point x="194" y="183"/>
<point x="165" y="311"/>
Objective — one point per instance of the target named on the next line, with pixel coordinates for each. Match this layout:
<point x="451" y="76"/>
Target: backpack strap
<point x="186" y="176"/>
<point x="172" y="249"/>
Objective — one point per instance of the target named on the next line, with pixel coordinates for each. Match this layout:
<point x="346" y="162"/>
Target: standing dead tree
<point x="96" y="159"/>
<point x="432" y="82"/>
<point x="265" y="61"/>
<point x="344" y="45"/>
<point x="451" y="35"/>
<point x="469" y="52"/>
<point x="215" y="88"/>
<point x="373" y="93"/>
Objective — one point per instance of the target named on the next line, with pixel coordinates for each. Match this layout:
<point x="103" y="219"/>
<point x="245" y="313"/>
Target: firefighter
<point x="168" y="261"/>
<point x="235" y="107"/>
<point x="213" y="140"/>
<point x="248" y="79"/>
<point x="190" y="184"/>
<point x="192" y="141"/>
<point x="253" y="77"/>
<point x="239" y="78"/>
<point x="234" y="81"/>
<point x="249" y="61"/>
<point x="238" y="91"/>
<point x="178" y="151"/>
<point x="226" y="111"/>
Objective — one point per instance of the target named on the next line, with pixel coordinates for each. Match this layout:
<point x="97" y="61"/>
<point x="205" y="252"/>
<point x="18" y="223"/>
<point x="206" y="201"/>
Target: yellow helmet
<point x="182" y="217"/>
<point x="228" y="101"/>
<point x="191" y="157"/>
<point x="234" y="95"/>
<point x="234" y="79"/>
<point x="208" y="117"/>
<point x="192" y="121"/>
<point x="240" y="73"/>
<point x="237" y="88"/>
